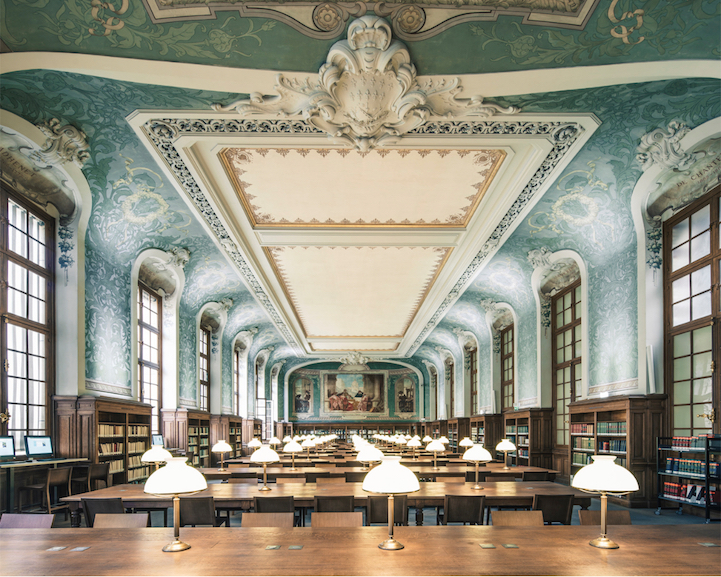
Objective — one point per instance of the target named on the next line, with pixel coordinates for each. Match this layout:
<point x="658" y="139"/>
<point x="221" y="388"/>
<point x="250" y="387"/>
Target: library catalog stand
<point x="688" y="473"/>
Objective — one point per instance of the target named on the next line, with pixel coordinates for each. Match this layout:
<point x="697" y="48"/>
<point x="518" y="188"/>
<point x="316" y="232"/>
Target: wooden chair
<point x="354" y="519"/>
<point x="278" y="505"/>
<point x="621" y="517"/>
<point x="535" y="476"/>
<point x="200" y="511"/>
<point x="329" y="480"/>
<point x="377" y="510"/>
<point x="555" y="508"/>
<point x="517" y="518"/>
<point x="92" y="507"/>
<point x="95" y="473"/>
<point x="245" y="475"/>
<point x="284" y="520"/>
<point x="284" y="480"/>
<point x="335" y="504"/>
<point x="55" y="479"/>
<point x="26" y="520"/>
<point x="463" y="509"/>
<point x="127" y="521"/>
<point x="451" y="479"/>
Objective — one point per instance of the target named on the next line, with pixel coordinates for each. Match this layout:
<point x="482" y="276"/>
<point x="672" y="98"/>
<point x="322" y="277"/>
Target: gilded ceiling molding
<point x="367" y="94"/>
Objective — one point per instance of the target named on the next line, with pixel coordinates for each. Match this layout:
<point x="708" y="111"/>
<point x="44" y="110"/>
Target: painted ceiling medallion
<point x="367" y="94"/>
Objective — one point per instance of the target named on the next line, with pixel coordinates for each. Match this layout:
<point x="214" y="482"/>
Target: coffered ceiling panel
<point x="348" y="188"/>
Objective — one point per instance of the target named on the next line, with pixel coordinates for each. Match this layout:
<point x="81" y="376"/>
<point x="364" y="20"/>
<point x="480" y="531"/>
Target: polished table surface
<point x="240" y="496"/>
<point x="451" y="550"/>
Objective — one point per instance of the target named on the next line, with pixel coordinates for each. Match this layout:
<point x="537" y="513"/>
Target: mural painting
<point x="405" y="395"/>
<point x="353" y="394"/>
<point x="302" y="396"/>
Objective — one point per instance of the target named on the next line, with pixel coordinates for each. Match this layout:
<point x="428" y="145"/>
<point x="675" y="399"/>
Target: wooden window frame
<point x="236" y="382"/>
<point x="508" y="384"/>
<point x="471" y="354"/>
<point x="450" y="383"/>
<point x="142" y="287"/>
<point x="204" y="384"/>
<point x="48" y="328"/>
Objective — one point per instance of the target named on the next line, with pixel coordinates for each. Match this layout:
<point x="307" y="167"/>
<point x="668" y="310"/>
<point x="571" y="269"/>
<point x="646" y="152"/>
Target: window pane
<point x="701" y="422"/>
<point x="682" y="369"/>
<point x="681" y="289"/>
<point x="682" y="393"/>
<point x="682" y="416"/>
<point x="681" y="313"/>
<point x="701" y="306"/>
<point x="679" y="233"/>
<point x="700" y="246"/>
<point x="702" y="339"/>
<point x="700" y="220"/>
<point x="679" y="257"/>
<point x="701" y="280"/>
<point x="702" y="365"/>
<point x="702" y="392"/>
<point x="682" y="345"/>
<point x="17" y="391"/>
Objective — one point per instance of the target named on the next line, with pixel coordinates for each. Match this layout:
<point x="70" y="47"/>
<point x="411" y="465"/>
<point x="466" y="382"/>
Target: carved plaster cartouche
<point x="367" y="93"/>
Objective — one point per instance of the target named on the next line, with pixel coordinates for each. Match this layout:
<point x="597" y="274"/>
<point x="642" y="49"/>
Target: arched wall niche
<point x="471" y="349"/>
<point x="242" y="343"/>
<point x="213" y="316"/>
<point x="499" y="316"/>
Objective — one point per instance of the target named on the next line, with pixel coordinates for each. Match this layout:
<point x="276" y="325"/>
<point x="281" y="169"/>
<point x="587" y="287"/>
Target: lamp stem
<point x="603" y="542"/>
<point x="505" y="461"/>
<point x="391" y="544"/>
<point x="477" y="486"/>
<point x="435" y="466"/>
<point x="292" y="462"/>
<point x="177" y="544"/>
<point x="265" y="478"/>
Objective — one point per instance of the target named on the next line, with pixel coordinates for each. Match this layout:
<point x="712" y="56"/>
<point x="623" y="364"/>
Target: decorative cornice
<point x="187" y="402"/>
<point x="367" y="93"/>
<point x="617" y="387"/>
<point x="526" y="403"/>
<point x="101" y="387"/>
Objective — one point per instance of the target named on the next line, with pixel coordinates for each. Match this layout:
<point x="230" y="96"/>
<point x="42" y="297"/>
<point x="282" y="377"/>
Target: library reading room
<point x="237" y="341"/>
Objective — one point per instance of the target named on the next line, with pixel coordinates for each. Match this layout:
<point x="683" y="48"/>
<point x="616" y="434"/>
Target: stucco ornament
<point x="540" y="258"/>
<point x="367" y="93"/>
<point x="63" y="143"/>
<point x="178" y="257"/>
<point x="663" y="147"/>
<point x="354" y="362"/>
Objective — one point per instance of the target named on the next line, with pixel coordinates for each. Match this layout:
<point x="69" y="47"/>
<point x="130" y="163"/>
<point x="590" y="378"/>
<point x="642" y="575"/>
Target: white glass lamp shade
<point x="275" y="441"/>
<point x="292" y="447"/>
<point x="477" y="454"/>
<point x="402" y="441"/>
<point x="466" y="442"/>
<point x="435" y="447"/>
<point x="505" y="445"/>
<point x="254" y="443"/>
<point x="444" y="440"/>
<point x="156" y="454"/>
<point x="408" y="437"/>
<point x="416" y="437"/>
<point x="287" y="439"/>
<point x="370" y="454"/>
<point x="221" y="447"/>
<point x="264" y="455"/>
<point x="391" y="478"/>
<point x="175" y="478"/>
<point x="413" y="443"/>
<point x="307" y="443"/>
<point x="605" y="475"/>
<point x="426" y="439"/>
<point x="297" y="438"/>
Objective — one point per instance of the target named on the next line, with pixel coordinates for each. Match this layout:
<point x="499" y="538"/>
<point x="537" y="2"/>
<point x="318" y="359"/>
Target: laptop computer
<point x="39" y="447"/>
<point x="7" y="448"/>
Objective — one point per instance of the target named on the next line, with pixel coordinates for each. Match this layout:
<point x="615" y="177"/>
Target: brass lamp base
<point x="265" y="488"/>
<point x="221" y="470"/>
<point x="603" y="542"/>
<point x="176" y="546"/>
<point x="477" y="487"/>
<point x="391" y="545"/>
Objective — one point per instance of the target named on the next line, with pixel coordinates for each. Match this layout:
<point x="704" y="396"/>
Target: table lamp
<point x="505" y="446"/>
<point x="275" y="441"/>
<point x="293" y="447"/>
<point x="221" y="447"/>
<point x="369" y="454"/>
<point x="435" y="447"/>
<point x="426" y="439"/>
<point x="413" y="443"/>
<point x="265" y="455"/>
<point x="444" y="440"/>
<point x="477" y="454"/>
<point x="176" y="478"/>
<point x="604" y="476"/>
<point x="307" y="444"/>
<point x="287" y="439"/>
<point x="297" y="438"/>
<point x="391" y="478"/>
<point x="255" y="444"/>
<point x="156" y="454"/>
<point x="466" y="443"/>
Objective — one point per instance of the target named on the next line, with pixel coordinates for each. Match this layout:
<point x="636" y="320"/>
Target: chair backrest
<point x="350" y="464"/>
<point x="355" y="476"/>
<point x="59" y="477"/>
<point x="536" y="476"/>
<point x="377" y="509"/>
<point x="517" y="518"/>
<point x="92" y="507"/>
<point x="197" y="511"/>
<point x="247" y="474"/>
<point x="329" y="480"/>
<point x="274" y="504"/>
<point x="621" y="517"/>
<point x="493" y="465"/>
<point x="555" y="508"/>
<point x="499" y="479"/>
<point x="313" y="477"/>
<point x="284" y="520"/>
<point x="334" y="504"/>
<point x="283" y="480"/>
<point x="463" y="509"/>
<point x="451" y="479"/>
<point x="237" y="465"/>
<point x="26" y="521"/>
<point x="127" y="521"/>
<point x="354" y="519"/>
<point x="243" y="480"/>
<point x="99" y="472"/>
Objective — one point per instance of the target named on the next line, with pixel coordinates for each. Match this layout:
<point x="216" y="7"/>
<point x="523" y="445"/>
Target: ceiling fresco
<point x="280" y="220"/>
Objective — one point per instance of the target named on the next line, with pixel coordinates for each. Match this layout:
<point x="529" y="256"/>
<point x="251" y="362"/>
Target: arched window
<point x="27" y="253"/>
<point x="236" y="381"/>
<point x="507" y="368"/>
<point x="450" y="385"/>
<point x="471" y="365"/>
<point x="150" y="351"/>
<point x="203" y="368"/>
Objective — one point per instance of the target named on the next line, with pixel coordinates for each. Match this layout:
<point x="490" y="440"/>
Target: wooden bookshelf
<point x="530" y="430"/>
<point x="439" y="429"/>
<point x="457" y="430"/>
<point x="623" y="426"/>
<point x="235" y="436"/>
<point x="252" y="429"/>
<point x="486" y="430"/>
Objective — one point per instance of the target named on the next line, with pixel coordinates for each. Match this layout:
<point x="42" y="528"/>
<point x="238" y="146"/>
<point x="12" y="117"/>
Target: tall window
<point x="507" y="368"/>
<point x="450" y="385"/>
<point x="149" y="351"/>
<point x="472" y="368"/>
<point x="26" y="250"/>
<point x="434" y="387"/>
<point x="236" y="381"/>
<point x="566" y="357"/>
<point x="692" y="257"/>
<point x="204" y="367"/>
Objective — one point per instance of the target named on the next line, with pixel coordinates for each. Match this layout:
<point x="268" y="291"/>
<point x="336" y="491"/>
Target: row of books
<point x="138" y="430"/>
<point x="581" y="458"/>
<point x="583" y="443"/>
<point x="116" y="466"/>
<point x="612" y="428"/>
<point x="111" y="448"/>
<point x="137" y="447"/>
<point x="510" y="429"/>
<point x="523" y="453"/>
<point x="582" y="428"/>
<point x="690" y="493"/>
<point x="139" y="473"/>
<point x="522" y="429"/>
<point x="693" y="466"/>
<point x="111" y="430"/>
<point x="680" y="443"/>
<point x="612" y="446"/>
